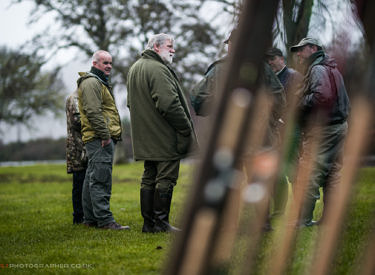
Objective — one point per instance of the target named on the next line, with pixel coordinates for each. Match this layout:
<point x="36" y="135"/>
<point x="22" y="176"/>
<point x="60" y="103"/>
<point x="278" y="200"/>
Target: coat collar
<point x="150" y="54"/>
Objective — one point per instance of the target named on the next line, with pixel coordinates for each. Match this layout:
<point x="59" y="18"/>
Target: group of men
<point x="162" y="128"/>
<point x="162" y="132"/>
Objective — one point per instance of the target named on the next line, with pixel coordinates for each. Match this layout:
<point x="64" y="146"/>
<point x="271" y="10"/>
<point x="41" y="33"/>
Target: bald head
<point x="102" y="60"/>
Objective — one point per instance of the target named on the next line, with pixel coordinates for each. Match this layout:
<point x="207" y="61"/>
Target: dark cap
<point x="230" y="38"/>
<point x="271" y="52"/>
<point x="306" y="41"/>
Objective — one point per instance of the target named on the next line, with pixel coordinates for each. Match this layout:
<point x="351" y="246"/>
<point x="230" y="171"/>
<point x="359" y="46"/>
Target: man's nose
<point x="172" y="51"/>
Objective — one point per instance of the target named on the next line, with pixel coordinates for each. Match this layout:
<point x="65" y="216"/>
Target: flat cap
<point x="306" y="41"/>
<point x="271" y="52"/>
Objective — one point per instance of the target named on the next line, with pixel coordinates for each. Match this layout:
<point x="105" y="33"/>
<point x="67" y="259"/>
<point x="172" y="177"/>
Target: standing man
<point x="101" y="129"/>
<point x="203" y="94"/>
<point x="162" y="129"/>
<point x="291" y="81"/>
<point x="323" y="99"/>
<point x="289" y="78"/>
<point x="76" y="159"/>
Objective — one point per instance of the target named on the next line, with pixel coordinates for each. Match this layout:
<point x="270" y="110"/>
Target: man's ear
<point x="156" y="48"/>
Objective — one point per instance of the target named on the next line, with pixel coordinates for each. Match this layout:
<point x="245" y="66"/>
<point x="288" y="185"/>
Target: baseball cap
<point x="305" y="41"/>
<point x="271" y="52"/>
<point x="232" y="34"/>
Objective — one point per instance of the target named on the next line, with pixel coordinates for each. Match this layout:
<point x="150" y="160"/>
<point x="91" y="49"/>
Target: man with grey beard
<point x="162" y="129"/>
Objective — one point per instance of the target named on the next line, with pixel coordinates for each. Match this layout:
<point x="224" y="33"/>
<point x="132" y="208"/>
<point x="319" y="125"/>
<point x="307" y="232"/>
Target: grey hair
<point x="96" y="56"/>
<point x="158" y="39"/>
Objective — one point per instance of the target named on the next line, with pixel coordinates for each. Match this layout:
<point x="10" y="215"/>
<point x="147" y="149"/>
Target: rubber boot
<point x="162" y="205"/>
<point x="147" y="210"/>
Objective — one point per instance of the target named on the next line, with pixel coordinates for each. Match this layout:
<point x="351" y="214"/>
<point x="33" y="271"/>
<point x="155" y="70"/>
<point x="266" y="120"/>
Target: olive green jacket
<point x="203" y="93"/>
<point x="99" y="115"/>
<point x="161" y="124"/>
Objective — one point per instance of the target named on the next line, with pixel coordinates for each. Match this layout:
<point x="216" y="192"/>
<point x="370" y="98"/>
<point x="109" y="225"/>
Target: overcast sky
<point x="14" y="31"/>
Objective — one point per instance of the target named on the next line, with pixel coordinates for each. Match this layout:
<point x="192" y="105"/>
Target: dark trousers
<point x="327" y="165"/>
<point x="158" y="181"/>
<point x="97" y="186"/>
<point x="78" y="178"/>
<point x="161" y="175"/>
<point x="288" y="166"/>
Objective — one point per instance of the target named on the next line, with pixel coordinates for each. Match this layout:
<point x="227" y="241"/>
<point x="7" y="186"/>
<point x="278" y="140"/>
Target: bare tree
<point x="25" y="89"/>
<point x="123" y="27"/>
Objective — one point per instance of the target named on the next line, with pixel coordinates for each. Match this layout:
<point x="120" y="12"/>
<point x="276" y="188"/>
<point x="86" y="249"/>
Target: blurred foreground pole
<point x="194" y="248"/>
<point x="331" y="230"/>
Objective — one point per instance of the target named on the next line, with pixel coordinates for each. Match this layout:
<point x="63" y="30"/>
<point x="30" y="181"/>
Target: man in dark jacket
<point x="323" y="100"/>
<point x="204" y="92"/>
<point x="101" y="129"/>
<point x="76" y="159"/>
<point x="289" y="78"/>
<point x="162" y="129"/>
<point x="291" y="81"/>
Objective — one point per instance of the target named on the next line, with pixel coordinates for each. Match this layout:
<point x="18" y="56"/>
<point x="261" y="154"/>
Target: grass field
<point x="37" y="235"/>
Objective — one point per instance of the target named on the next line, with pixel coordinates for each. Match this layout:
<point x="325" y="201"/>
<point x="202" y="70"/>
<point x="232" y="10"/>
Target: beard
<point x="166" y="56"/>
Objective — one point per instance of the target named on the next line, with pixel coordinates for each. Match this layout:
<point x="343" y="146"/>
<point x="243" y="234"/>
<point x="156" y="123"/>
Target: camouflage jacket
<point x="76" y="159"/>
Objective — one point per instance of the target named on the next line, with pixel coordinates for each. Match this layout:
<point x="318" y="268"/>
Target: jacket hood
<point x="85" y="75"/>
<point x="320" y="57"/>
<point x="328" y="61"/>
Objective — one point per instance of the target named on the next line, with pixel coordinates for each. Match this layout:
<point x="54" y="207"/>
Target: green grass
<point x="36" y="226"/>
<point x="353" y="241"/>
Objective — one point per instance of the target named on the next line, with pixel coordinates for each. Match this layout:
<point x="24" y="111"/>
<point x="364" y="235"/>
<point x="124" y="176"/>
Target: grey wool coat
<point x="161" y="125"/>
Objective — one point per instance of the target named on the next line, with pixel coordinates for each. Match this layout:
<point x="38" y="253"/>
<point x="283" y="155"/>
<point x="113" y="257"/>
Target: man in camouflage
<point x="76" y="159"/>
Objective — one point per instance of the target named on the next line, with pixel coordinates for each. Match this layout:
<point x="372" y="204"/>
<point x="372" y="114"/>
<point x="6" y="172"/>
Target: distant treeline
<point x="54" y="149"/>
<point x="38" y="149"/>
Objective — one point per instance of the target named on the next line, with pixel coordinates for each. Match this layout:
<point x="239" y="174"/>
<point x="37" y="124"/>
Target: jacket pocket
<point x="183" y="143"/>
